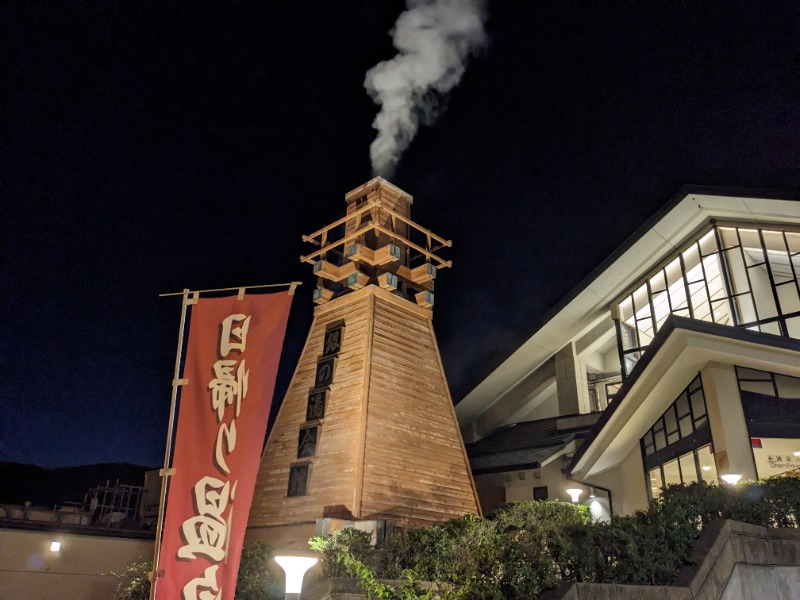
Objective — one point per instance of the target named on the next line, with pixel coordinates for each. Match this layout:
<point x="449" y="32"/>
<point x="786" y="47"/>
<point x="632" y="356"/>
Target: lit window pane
<point x="746" y="308"/>
<point x="658" y="283"/>
<point x="699" y="296"/>
<point x="793" y="327"/>
<point x="737" y="271"/>
<point x="708" y="468"/>
<point x="686" y="426"/>
<point x="721" y="310"/>
<point x="793" y="241"/>
<point x="626" y="310"/>
<point x="655" y="482"/>
<point x="691" y="260"/>
<point x="661" y="307"/>
<point x="641" y="303"/>
<point x="729" y="237"/>
<point x="708" y="243"/>
<point x="645" y="330"/>
<point x="788" y="297"/>
<point x="688" y="468"/>
<point x="773" y="240"/>
<point x="751" y="245"/>
<point x="776" y="457"/>
<point x="672" y="473"/>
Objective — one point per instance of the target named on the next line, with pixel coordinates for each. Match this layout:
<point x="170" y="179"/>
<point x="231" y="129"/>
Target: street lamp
<point x="294" y="565"/>
<point x="732" y="478"/>
<point x="574" y="493"/>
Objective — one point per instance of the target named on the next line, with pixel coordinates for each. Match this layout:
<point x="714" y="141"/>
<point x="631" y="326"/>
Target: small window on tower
<point x="540" y="493"/>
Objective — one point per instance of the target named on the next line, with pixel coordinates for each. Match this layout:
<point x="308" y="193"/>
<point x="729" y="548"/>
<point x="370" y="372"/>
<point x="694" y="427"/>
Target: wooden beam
<point x="442" y="263"/>
<point x="420" y="228"/>
<point x="363" y="209"/>
<point x="309" y="258"/>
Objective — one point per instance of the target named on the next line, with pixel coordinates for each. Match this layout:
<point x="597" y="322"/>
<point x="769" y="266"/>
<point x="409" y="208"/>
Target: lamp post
<point x="294" y="565"/>
<point x="574" y="493"/>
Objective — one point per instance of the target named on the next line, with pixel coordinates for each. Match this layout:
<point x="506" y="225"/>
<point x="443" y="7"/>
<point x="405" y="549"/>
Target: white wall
<point x="82" y="570"/>
<point x="627" y="484"/>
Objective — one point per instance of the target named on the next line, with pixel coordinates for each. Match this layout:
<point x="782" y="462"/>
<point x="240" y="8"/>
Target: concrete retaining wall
<point x="81" y="570"/>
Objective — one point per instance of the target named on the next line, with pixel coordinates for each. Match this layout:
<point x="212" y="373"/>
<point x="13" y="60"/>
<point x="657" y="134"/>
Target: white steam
<point x="435" y="39"/>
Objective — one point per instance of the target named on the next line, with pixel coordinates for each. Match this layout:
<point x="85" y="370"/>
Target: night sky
<point x="148" y="147"/>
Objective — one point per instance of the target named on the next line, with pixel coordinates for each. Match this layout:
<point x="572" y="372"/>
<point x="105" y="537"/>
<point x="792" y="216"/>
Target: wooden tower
<point x="367" y="430"/>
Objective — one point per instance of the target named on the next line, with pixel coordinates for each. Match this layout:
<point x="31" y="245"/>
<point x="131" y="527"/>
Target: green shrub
<point x="528" y="547"/>
<point x="346" y="541"/>
<point x="255" y="581"/>
<point x="134" y="581"/>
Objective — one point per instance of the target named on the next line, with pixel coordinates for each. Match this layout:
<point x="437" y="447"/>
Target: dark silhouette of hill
<point x="48" y="487"/>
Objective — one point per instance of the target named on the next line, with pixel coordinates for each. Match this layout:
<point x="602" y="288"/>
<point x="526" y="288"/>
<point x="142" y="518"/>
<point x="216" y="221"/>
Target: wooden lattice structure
<point x="367" y="430"/>
<point x="376" y="242"/>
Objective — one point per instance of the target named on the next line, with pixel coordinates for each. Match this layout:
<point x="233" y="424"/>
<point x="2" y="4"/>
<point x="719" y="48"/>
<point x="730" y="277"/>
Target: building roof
<point x="525" y="445"/>
<point x="692" y="208"/>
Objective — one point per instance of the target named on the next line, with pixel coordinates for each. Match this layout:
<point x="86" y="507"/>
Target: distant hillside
<point x="48" y="487"/>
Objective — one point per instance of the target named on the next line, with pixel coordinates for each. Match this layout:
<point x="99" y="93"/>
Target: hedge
<point x="528" y="547"/>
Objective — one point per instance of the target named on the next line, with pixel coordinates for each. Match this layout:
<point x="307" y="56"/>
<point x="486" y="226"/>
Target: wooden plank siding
<point x="389" y="444"/>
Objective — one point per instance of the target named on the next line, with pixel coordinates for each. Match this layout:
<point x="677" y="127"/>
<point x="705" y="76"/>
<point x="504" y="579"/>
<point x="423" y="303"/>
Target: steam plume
<point x="434" y="39"/>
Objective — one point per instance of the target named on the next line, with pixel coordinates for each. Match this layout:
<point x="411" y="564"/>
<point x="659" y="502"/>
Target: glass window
<point x="788" y="387"/>
<point x="733" y="285"/>
<point x="540" y="493"/>
<point x="688" y="468"/>
<point x="698" y="405"/>
<point x="678" y="421"/>
<point x="686" y="426"/>
<point x="672" y="472"/>
<point x="671" y="422"/>
<point x="649" y="446"/>
<point x="682" y="405"/>
<point x="656" y="482"/>
<point x="777" y="456"/>
<point x="771" y="402"/>
<point x="677" y="445"/>
<point x="708" y="467"/>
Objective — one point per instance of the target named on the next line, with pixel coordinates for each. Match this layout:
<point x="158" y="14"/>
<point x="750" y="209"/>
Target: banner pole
<point x="166" y="471"/>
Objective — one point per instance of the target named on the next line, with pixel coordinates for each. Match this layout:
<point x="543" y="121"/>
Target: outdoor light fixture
<point x="574" y="493"/>
<point x="591" y="493"/>
<point x="295" y="565"/>
<point x="796" y="453"/>
<point x="55" y="546"/>
<point x="732" y="478"/>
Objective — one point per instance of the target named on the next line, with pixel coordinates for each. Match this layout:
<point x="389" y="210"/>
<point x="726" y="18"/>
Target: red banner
<point x="231" y="363"/>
